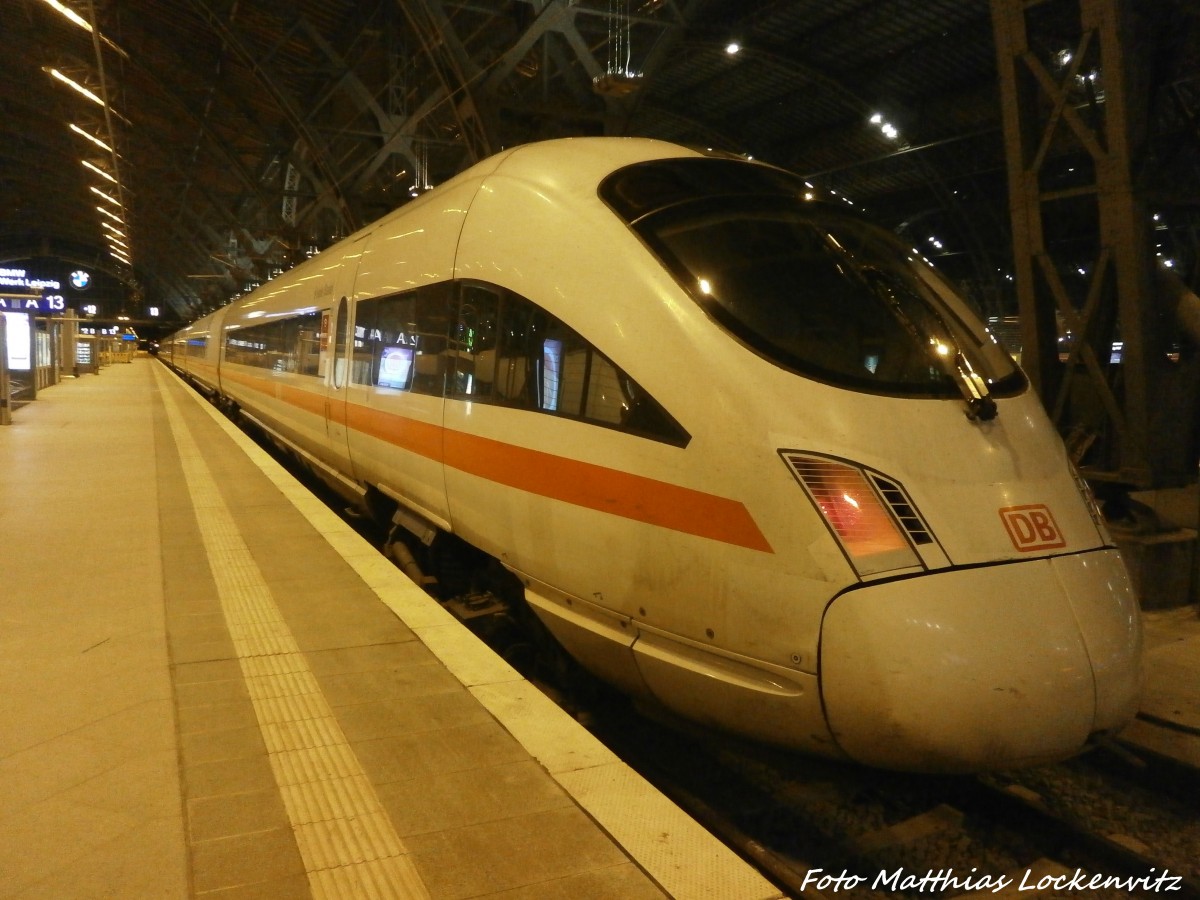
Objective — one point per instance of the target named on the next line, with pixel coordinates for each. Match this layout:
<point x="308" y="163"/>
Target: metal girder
<point x="399" y="140"/>
<point x="551" y="17"/>
<point x="395" y="131"/>
<point x="286" y="104"/>
<point x="1081" y="232"/>
<point x="229" y="158"/>
<point x="254" y="198"/>
<point x="455" y="70"/>
<point x="555" y="15"/>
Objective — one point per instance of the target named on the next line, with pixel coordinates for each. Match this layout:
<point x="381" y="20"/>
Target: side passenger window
<point x="400" y="340"/>
<point x="474" y="340"/>
<point x="285" y="345"/>
<point x="511" y="352"/>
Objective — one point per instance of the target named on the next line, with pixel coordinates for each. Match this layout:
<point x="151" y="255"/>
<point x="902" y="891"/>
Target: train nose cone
<point x="985" y="668"/>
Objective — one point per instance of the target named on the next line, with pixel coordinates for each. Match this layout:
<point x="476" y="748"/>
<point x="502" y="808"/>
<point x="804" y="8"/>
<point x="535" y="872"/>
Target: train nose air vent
<point x="864" y="520"/>
<point x="906" y="514"/>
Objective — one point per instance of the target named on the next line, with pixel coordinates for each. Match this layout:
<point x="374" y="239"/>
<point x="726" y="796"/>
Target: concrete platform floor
<point x="211" y="687"/>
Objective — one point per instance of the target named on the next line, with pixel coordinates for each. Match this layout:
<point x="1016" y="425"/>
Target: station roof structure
<point x="233" y="137"/>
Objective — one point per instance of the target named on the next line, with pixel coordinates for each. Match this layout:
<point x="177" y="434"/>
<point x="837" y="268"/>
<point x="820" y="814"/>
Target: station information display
<point x="83" y="352"/>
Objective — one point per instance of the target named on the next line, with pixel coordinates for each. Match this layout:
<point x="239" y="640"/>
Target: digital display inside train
<point x="396" y="368"/>
<point x="552" y="352"/>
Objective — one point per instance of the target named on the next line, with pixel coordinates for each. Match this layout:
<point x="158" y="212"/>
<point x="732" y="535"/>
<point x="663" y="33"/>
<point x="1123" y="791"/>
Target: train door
<point x="340" y="335"/>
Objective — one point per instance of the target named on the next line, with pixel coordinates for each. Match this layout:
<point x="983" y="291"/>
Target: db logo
<point x="1032" y="527"/>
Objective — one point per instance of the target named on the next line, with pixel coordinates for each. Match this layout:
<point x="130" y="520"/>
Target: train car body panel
<point x="395" y="397"/>
<point x="963" y="478"/>
<point x="1107" y="612"/>
<point x="657" y="334"/>
<point x="918" y="673"/>
<point x="199" y="351"/>
<point x="739" y="694"/>
<point x="751" y="458"/>
<point x="277" y="354"/>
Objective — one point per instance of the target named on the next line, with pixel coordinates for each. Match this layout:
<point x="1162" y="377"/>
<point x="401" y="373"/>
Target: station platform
<point x="210" y="686"/>
<point x="1168" y="723"/>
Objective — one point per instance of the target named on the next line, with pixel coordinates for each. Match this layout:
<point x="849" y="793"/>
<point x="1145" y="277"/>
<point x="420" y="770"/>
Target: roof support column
<point x="1081" y="234"/>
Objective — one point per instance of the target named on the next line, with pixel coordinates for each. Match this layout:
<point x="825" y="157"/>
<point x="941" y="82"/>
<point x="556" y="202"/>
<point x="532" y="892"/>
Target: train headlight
<point x="869" y="515"/>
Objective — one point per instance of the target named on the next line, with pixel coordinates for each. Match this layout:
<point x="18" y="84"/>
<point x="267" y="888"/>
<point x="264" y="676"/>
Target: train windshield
<point x="808" y="286"/>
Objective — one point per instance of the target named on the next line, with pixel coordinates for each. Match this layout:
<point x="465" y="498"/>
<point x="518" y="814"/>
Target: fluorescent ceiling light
<point x="98" y="171"/>
<point x="113" y="216"/>
<point x="95" y="140"/>
<point x="71" y="14"/>
<point x="83" y="23"/>
<point x="76" y="86"/>
<point x="115" y="202"/>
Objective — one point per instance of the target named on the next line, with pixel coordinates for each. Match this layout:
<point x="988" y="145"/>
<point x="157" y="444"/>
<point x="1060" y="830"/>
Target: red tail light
<point x="851" y="506"/>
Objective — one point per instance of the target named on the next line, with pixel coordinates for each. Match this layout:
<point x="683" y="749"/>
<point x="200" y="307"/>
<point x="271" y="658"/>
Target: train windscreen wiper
<point x="943" y="348"/>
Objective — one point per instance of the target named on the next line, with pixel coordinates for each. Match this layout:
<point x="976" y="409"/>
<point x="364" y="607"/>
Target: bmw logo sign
<point x="81" y="280"/>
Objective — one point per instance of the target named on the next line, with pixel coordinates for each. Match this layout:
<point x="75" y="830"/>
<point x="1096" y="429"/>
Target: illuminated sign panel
<point x="49" y="303"/>
<point x="18" y="341"/>
<point x="19" y="290"/>
<point x="18" y="278"/>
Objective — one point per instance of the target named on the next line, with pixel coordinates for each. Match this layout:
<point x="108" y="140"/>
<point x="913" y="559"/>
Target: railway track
<point x="1100" y="827"/>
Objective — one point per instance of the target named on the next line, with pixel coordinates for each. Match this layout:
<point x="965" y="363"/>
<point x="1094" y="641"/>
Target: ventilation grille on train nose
<point x="902" y="508"/>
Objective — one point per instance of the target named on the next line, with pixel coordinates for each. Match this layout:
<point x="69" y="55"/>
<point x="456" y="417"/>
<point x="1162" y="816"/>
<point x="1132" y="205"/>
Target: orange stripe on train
<point x="536" y="472"/>
<point x="608" y="490"/>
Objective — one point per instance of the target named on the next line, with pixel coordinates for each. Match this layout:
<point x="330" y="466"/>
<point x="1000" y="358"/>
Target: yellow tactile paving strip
<point x="345" y="838"/>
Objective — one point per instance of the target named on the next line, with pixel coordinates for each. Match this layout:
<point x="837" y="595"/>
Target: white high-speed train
<point x="751" y="458"/>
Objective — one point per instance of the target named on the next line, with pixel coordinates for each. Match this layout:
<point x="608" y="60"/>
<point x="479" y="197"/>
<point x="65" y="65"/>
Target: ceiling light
<point x="71" y="14"/>
<point x="95" y="140"/>
<point x="113" y="200"/>
<point x="98" y="171"/>
<point x="83" y="23"/>
<point x="75" y="86"/>
<point x="114" y="217"/>
<point x="733" y="48"/>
